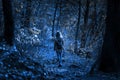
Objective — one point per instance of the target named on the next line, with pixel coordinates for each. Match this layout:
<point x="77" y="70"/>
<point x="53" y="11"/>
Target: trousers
<point x="59" y="56"/>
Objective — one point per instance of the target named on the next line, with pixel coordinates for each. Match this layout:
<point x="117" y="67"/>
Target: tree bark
<point x="53" y="27"/>
<point x="59" y="17"/>
<point x="84" y="35"/>
<point x="110" y="57"/>
<point x="8" y="21"/>
<point x="28" y="13"/>
<point x="77" y="29"/>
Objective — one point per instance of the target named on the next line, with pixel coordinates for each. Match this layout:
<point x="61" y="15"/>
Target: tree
<point x="28" y="13"/>
<point x="77" y="27"/>
<point x="8" y="21"/>
<point x="86" y="14"/>
<point x="59" y="17"/>
<point x="110" y="56"/>
<point x="53" y="27"/>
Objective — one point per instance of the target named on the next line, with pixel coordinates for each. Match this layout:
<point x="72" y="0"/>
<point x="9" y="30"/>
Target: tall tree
<point x="110" y="57"/>
<point x="95" y="14"/>
<point x="59" y="17"/>
<point x="54" y="17"/>
<point x="77" y="27"/>
<point x="8" y="21"/>
<point x="86" y="14"/>
<point x="28" y="13"/>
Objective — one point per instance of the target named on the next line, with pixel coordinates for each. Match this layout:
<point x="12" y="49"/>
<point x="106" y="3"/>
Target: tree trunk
<point x="53" y="27"/>
<point x="28" y="14"/>
<point x="8" y="21"/>
<point x="59" y="17"/>
<point x="77" y="29"/>
<point x="86" y="12"/>
<point x="110" y="57"/>
<point x="84" y="35"/>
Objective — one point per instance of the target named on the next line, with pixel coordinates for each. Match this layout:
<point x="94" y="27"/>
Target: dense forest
<point x="90" y="30"/>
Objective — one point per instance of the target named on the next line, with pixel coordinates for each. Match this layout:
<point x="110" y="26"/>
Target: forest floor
<point x="73" y="67"/>
<point x="44" y="66"/>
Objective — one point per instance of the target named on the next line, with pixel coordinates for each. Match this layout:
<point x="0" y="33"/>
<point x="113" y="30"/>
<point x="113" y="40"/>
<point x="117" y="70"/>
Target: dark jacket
<point x="58" y="44"/>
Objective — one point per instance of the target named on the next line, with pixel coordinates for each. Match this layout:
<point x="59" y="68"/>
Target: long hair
<point x="59" y="34"/>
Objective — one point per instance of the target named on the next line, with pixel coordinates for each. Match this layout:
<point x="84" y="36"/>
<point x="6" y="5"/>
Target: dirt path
<point x="73" y="67"/>
<point x="44" y="66"/>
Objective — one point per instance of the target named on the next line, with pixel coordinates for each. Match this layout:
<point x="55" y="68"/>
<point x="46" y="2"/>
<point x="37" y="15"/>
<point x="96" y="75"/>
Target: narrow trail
<point x="73" y="66"/>
<point x="44" y="66"/>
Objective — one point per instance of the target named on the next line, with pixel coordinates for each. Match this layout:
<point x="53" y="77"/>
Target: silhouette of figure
<point x="58" y="47"/>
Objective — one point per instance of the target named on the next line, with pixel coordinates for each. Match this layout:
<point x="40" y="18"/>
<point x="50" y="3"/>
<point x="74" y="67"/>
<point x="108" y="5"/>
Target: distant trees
<point x="55" y="25"/>
<point x="8" y="21"/>
<point x="84" y="28"/>
<point x="67" y="20"/>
